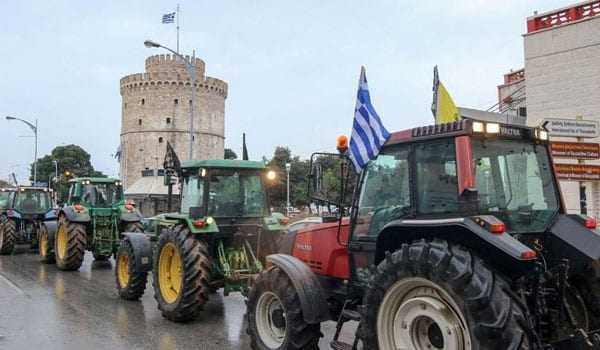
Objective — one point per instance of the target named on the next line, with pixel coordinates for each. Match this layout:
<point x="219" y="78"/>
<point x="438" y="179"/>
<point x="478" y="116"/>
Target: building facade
<point x="561" y="79"/>
<point x="156" y="108"/>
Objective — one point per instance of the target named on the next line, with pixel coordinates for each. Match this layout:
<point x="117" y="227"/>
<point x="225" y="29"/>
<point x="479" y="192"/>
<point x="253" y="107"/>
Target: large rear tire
<point x="434" y="295"/>
<point x="45" y="251"/>
<point x="8" y="236"/>
<point x="69" y="245"/>
<point x="131" y="280"/>
<point x="274" y="315"/>
<point x="180" y="274"/>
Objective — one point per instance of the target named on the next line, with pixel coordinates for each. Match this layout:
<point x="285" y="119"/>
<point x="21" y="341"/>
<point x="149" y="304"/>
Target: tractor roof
<point x="95" y="179"/>
<point x="462" y="127"/>
<point x="223" y="163"/>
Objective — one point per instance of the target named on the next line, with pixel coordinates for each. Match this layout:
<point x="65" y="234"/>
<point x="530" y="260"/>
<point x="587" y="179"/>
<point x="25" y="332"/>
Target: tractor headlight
<point x="492" y="128"/>
<point x="210" y="220"/>
<point x="478" y="127"/>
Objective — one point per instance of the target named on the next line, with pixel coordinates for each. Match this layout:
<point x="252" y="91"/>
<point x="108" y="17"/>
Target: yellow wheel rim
<point x="123" y="270"/>
<point x="169" y="273"/>
<point x="61" y="241"/>
<point x="43" y="245"/>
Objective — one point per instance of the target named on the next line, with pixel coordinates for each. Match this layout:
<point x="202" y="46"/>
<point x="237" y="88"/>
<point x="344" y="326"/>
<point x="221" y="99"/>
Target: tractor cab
<point x="30" y="202"/>
<point x="95" y="192"/>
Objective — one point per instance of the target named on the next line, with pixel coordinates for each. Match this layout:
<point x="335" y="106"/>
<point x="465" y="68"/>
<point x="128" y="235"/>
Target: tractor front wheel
<point x="69" y="245"/>
<point x="274" y="315"/>
<point x="45" y="252"/>
<point x="131" y="280"/>
<point x="434" y="295"/>
<point x="8" y="235"/>
<point x="180" y="274"/>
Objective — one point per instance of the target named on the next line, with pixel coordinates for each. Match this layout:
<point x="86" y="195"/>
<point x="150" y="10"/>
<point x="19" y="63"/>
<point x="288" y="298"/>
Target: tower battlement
<point x="171" y="63"/>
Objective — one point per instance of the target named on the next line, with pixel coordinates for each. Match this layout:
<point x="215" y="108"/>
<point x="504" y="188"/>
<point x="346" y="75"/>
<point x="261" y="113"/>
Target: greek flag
<point x="168" y="18"/>
<point x="368" y="133"/>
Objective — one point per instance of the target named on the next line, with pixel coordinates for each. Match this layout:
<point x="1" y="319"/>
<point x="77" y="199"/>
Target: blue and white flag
<point x="168" y="18"/>
<point x="368" y="133"/>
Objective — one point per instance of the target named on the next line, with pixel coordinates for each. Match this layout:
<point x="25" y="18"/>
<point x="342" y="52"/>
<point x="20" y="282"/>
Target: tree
<point x="4" y="184"/>
<point x="72" y="159"/>
<point x="230" y="154"/>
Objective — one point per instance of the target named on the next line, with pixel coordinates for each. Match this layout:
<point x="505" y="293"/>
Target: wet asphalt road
<point x="44" y="308"/>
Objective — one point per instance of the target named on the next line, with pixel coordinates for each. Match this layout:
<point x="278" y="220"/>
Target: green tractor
<point x="27" y="214"/>
<point x="218" y="240"/>
<point x="92" y="219"/>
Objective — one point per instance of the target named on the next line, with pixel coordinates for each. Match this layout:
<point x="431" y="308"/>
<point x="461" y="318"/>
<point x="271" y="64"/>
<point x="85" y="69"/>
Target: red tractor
<point x="456" y="238"/>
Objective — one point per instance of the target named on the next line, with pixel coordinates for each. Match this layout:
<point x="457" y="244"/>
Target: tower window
<point x="139" y="122"/>
<point x="160" y="140"/>
<point x="125" y="105"/>
<point x="168" y="120"/>
<point x="190" y="102"/>
<point x="176" y="101"/>
<point x="143" y="101"/>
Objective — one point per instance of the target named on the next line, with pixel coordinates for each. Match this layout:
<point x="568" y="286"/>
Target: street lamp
<point x="191" y="69"/>
<point x="288" y="167"/>
<point x="34" y="128"/>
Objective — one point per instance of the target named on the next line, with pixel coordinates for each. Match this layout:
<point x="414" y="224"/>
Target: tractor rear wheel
<point x="69" y="245"/>
<point x="8" y="235"/>
<point x="45" y="252"/>
<point x="180" y="274"/>
<point x="434" y="295"/>
<point x="131" y="281"/>
<point x="274" y="315"/>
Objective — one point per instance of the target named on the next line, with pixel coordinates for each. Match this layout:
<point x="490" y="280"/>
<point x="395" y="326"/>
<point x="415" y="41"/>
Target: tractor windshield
<point x="31" y="202"/>
<point x="101" y="195"/>
<point x="236" y="193"/>
<point x="515" y="183"/>
<point x="4" y="199"/>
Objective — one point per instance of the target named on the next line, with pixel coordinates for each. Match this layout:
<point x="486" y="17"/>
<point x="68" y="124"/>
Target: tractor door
<point x="383" y="195"/>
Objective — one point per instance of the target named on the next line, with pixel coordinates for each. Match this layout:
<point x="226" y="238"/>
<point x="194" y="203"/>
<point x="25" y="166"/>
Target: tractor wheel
<point x="8" y="235"/>
<point x="134" y="227"/>
<point x="131" y="282"/>
<point x="180" y="274"/>
<point x="274" y="315"/>
<point x="69" y="245"/>
<point x="45" y="252"/>
<point x="434" y="295"/>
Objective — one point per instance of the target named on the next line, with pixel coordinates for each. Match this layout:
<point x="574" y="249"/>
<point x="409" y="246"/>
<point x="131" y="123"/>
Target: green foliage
<point x="230" y="154"/>
<point x="72" y="159"/>
<point x="4" y="184"/>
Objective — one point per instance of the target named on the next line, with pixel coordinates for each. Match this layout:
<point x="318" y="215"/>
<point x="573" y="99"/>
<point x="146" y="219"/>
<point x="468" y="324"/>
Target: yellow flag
<point x="444" y="109"/>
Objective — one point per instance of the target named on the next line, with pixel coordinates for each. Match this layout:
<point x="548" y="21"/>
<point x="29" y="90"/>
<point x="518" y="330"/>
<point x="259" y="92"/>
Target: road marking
<point x="12" y="285"/>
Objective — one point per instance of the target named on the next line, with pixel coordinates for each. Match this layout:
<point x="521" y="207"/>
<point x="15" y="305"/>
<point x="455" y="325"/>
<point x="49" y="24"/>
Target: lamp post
<point x="288" y="167"/>
<point x="191" y="69"/>
<point x="34" y="128"/>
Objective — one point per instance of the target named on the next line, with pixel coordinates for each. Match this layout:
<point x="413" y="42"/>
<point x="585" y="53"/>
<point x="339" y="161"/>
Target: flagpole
<point x="177" y="28"/>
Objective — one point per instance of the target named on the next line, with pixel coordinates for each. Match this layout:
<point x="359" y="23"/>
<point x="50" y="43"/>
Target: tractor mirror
<point x="196" y="213"/>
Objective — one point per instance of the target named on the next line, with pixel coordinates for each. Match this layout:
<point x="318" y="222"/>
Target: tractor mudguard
<point x="133" y="216"/>
<point x="310" y="292"/>
<point x="52" y="226"/>
<point x="504" y="242"/>
<point x="142" y="249"/>
<point x="73" y="216"/>
<point x="573" y="233"/>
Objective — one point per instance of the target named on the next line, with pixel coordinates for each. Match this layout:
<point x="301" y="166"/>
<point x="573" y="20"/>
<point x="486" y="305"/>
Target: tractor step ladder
<point x="345" y="316"/>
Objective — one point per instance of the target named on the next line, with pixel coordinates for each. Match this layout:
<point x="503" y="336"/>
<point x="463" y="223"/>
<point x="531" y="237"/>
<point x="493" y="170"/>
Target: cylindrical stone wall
<point x="156" y="109"/>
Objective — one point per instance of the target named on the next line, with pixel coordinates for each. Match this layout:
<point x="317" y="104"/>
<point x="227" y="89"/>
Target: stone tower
<point x="156" y="108"/>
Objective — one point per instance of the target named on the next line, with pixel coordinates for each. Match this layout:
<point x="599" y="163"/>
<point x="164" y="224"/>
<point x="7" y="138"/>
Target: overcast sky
<point x="292" y="66"/>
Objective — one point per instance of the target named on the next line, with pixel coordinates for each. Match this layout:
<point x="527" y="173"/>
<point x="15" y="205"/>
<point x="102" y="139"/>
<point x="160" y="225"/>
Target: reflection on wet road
<point x="42" y="307"/>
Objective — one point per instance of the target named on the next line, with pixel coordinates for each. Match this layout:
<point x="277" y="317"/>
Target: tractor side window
<point x="385" y="193"/>
<point x="437" y="182"/>
<point x="192" y="194"/>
